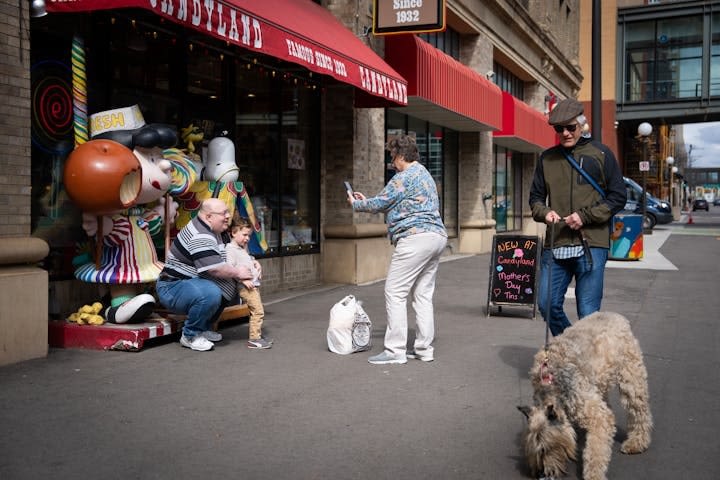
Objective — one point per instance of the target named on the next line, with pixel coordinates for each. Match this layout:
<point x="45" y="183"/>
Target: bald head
<point x="212" y="205"/>
<point x="215" y="213"/>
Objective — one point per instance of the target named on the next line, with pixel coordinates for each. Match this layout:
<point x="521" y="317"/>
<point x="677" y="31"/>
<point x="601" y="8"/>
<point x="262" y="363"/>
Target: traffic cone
<point x="690" y="220"/>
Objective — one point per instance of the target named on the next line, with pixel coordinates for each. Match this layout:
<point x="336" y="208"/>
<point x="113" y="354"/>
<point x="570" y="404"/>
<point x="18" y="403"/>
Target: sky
<point x="705" y="139"/>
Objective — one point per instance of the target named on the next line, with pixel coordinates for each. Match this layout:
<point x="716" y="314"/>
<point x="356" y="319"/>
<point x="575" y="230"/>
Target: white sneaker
<point x="212" y="336"/>
<point x="423" y="358"/>
<point x="197" y="343"/>
<point x="385" y="358"/>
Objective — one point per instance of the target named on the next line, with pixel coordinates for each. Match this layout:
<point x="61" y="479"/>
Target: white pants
<point x="413" y="267"/>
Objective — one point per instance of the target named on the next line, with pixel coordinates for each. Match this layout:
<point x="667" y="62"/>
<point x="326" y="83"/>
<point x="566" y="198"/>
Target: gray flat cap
<point x="565" y="112"/>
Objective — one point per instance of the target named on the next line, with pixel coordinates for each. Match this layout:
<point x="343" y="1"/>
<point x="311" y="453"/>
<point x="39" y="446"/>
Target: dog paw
<point x="633" y="446"/>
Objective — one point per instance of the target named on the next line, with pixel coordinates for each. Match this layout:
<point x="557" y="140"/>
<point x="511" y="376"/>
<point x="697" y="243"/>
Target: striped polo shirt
<point x="196" y="250"/>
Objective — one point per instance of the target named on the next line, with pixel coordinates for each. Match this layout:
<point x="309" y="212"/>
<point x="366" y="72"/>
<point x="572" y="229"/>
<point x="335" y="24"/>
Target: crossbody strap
<point x="595" y="185"/>
<point x="585" y="175"/>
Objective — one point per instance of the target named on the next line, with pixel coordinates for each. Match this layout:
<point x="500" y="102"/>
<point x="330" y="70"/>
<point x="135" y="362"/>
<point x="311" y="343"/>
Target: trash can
<point x="626" y="237"/>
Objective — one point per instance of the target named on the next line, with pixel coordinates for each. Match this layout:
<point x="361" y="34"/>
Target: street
<point x="298" y="411"/>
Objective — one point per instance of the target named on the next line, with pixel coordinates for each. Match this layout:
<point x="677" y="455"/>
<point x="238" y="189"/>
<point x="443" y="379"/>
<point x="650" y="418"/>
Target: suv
<point x="656" y="211"/>
<point x="701" y="204"/>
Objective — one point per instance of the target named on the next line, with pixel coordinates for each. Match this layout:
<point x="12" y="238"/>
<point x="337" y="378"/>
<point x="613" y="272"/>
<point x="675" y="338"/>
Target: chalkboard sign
<point x="513" y="269"/>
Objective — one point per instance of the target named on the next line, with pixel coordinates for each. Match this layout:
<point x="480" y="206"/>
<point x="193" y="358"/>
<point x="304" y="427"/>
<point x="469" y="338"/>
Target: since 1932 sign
<point x="408" y="16"/>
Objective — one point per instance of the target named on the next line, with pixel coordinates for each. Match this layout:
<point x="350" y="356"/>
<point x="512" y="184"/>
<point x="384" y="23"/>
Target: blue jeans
<point x="200" y="299"/>
<point x="588" y="286"/>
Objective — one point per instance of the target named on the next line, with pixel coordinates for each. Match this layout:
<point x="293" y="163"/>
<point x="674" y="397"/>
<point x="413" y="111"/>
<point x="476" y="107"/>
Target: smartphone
<point x="348" y="187"/>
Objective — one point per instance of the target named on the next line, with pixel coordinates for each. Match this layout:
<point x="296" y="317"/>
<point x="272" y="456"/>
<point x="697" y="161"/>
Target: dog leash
<point x="549" y="289"/>
<point x="545" y="376"/>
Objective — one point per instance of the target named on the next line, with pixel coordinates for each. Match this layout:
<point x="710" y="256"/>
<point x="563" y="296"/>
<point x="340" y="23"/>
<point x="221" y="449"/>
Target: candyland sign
<point x="236" y="22"/>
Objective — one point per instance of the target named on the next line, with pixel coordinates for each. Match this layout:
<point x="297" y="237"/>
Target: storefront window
<point x="501" y="194"/>
<point x="178" y="77"/>
<point x="54" y="217"/>
<point x="277" y="152"/>
<point x="141" y="59"/>
<point x="507" y="209"/>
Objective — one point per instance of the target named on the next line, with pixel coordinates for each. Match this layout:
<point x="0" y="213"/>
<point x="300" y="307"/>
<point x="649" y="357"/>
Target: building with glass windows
<point x="660" y="64"/>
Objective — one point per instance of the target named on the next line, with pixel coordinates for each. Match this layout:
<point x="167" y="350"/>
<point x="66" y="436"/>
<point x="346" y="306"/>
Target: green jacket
<point x="558" y="186"/>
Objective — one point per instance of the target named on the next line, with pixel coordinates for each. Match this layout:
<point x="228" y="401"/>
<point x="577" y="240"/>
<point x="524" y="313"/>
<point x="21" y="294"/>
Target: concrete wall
<point x="23" y="300"/>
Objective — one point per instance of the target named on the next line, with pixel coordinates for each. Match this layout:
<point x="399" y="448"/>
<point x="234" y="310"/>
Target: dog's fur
<point x="571" y="379"/>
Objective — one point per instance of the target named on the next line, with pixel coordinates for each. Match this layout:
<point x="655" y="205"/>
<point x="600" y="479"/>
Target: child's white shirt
<point x="238" y="256"/>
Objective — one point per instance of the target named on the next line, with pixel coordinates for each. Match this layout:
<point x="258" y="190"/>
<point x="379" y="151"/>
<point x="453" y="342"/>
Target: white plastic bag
<point x="350" y="329"/>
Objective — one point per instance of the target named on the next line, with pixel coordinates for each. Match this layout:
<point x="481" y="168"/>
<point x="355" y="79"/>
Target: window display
<point x="278" y="154"/>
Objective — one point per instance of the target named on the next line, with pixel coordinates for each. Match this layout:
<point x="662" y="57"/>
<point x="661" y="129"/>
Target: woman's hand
<point x="355" y="196"/>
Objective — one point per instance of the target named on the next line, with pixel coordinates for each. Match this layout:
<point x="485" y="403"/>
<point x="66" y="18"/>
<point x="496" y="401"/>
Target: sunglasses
<point x="569" y="128"/>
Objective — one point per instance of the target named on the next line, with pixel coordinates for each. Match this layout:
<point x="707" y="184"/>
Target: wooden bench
<point x="233" y="312"/>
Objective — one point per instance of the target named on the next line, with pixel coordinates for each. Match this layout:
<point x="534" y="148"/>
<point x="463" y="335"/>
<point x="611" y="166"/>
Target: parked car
<point x="716" y="202"/>
<point x="700" y="204"/>
<point x="656" y="211"/>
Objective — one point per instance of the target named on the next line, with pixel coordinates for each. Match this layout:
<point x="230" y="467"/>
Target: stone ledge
<point x="480" y="223"/>
<point x="363" y="230"/>
<point x="22" y="250"/>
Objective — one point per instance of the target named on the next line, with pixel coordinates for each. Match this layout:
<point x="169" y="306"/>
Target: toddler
<point x="249" y="290"/>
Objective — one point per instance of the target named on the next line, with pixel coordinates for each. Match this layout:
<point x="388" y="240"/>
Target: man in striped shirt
<point x="197" y="280"/>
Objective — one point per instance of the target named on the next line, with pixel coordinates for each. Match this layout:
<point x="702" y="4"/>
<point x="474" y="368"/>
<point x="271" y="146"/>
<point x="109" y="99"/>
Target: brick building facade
<point x="485" y="171"/>
<point x="15" y="181"/>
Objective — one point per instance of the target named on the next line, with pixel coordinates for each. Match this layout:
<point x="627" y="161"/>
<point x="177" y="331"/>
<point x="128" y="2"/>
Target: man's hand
<point x="552" y="217"/>
<point x="243" y="273"/>
<point x="574" y="221"/>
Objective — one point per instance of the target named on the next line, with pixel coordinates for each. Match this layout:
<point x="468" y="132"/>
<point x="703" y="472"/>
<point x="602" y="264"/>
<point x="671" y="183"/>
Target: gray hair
<point x="403" y="145"/>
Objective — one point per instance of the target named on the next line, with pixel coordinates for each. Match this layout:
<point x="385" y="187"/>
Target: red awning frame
<point x="297" y="31"/>
<point x="524" y="129"/>
<point x="443" y="90"/>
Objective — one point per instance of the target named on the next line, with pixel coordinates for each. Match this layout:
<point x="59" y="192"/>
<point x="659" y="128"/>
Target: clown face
<point x="155" y="174"/>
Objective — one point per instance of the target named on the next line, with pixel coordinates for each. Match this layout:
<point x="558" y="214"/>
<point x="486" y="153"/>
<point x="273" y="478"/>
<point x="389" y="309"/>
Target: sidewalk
<point x="298" y="411"/>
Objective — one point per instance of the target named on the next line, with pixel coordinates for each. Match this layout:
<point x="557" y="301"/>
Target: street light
<point x="670" y="160"/>
<point x="673" y="171"/>
<point x="37" y="8"/>
<point x="644" y="130"/>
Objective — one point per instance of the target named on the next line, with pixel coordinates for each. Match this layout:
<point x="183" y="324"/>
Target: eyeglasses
<point x="570" y="128"/>
<point x="226" y="213"/>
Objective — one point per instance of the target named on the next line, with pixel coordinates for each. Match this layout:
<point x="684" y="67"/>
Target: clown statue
<point x="119" y="179"/>
<point x="220" y="180"/>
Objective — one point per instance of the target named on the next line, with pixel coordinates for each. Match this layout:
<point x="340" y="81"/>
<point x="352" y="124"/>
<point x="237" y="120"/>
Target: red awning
<point x="441" y="89"/>
<point x="524" y="129"/>
<point x="297" y="31"/>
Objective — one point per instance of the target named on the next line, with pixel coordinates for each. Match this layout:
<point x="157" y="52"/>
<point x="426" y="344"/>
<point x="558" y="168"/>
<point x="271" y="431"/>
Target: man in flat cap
<point x="576" y="190"/>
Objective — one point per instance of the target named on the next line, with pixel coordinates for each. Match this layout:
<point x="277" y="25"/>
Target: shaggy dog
<point x="571" y="378"/>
